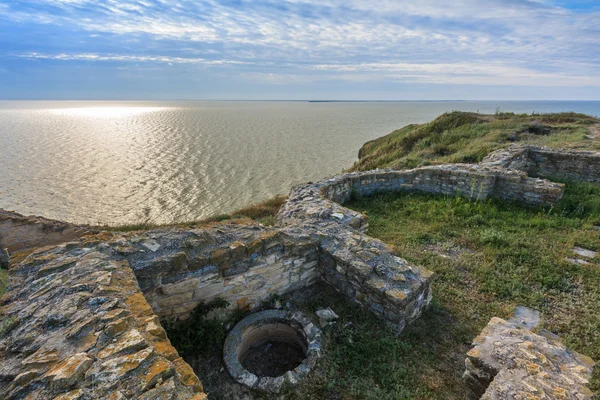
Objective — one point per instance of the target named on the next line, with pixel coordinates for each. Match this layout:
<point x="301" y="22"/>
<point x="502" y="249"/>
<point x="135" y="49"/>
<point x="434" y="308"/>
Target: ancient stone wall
<point x="242" y="264"/>
<point x="543" y="162"/>
<point x="75" y="325"/>
<point x="368" y="272"/>
<point x="322" y="200"/>
<point x="511" y="362"/>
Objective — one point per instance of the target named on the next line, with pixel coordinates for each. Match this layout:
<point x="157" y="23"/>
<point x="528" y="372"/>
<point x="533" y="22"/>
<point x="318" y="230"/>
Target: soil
<point x="273" y="358"/>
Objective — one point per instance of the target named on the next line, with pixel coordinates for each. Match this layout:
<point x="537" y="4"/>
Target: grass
<point x="3" y="280"/>
<point x="264" y="213"/>
<point x="488" y="258"/>
<point x="462" y="137"/>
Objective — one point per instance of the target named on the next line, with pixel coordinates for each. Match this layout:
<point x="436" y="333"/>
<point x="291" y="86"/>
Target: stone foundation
<point x="511" y="362"/>
<point x="76" y="326"/>
<point x="323" y="200"/>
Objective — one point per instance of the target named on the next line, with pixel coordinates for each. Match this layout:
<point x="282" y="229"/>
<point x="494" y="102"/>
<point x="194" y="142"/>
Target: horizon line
<point x="310" y="100"/>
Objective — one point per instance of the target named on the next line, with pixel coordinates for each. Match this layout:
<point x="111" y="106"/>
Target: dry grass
<point x="461" y="137"/>
<point x="264" y="213"/>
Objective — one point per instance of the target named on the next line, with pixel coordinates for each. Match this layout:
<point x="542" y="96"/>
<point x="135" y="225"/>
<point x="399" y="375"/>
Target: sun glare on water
<point x="105" y="112"/>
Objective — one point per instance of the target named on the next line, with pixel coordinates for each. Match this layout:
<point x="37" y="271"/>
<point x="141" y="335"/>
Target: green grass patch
<point x="3" y="281"/>
<point x="488" y="258"/>
<point x="463" y="137"/>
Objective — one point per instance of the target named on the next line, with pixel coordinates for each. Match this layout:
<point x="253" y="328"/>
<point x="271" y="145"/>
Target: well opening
<point x="272" y="349"/>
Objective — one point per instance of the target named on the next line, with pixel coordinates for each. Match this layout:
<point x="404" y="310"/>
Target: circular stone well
<point x="269" y="348"/>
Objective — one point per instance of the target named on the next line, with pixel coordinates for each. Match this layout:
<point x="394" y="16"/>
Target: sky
<point x="300" y="49"/>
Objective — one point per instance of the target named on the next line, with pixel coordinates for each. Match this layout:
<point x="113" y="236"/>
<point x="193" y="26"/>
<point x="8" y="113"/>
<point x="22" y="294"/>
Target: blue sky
<point x="300" y="49"/>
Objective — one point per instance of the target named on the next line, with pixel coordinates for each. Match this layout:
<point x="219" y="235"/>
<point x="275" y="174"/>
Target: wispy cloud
<point x="468" y="42"/>
<point x="124" y="58"/>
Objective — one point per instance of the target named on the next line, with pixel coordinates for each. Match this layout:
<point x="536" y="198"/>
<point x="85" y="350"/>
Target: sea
<point x="129" y="162"/>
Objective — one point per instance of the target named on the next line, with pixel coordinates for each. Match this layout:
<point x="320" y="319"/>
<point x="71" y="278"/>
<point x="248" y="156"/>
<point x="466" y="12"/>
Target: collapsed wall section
<point x="544" y="162"/>
<point x="511" y="362"/>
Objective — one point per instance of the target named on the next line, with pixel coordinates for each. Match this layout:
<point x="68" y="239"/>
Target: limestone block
<point x="184" y="286"/>
<point x="64" y="374"/>
<point x="208" y="291"/>
<point x="509" y="361"/>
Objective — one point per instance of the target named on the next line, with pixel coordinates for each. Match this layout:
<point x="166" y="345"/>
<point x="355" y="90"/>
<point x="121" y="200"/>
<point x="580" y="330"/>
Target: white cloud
<point x="520" y="42"/>
<point x="125" y="58"/>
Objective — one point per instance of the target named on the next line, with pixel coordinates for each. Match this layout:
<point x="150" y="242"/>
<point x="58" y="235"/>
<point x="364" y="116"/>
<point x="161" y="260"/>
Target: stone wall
<point x="543" y="162"/>
<point x="368" y="272"/>
<point x="75" y="325"/>
<point x="323" y="200"/>
<point x="511" y="362"/>
<point x="242" y="264"/>
<point x="75" y="311"/>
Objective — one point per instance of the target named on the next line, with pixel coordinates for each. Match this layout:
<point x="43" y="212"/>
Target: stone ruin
<point x="293" y="339"/>
<point x="81" y="316"/>
<point x="509" y="361"/>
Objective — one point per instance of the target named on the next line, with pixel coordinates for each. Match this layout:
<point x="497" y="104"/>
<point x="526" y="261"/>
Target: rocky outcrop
<point x="18" y="233"/>
<point x="508" y="361"/>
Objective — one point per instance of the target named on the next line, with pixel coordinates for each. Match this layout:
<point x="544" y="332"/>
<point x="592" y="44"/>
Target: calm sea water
<point x="161" y="162"/>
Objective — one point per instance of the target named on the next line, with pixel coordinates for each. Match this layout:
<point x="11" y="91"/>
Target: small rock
<point x="326" y="316"/>
<point x="584" y="252"/>
<point x="277" y="304"/>
<point x="4" y="259"/>
<point x="151" y="245"/>
<point x="576" y="261"/>
<point x="525" y="317"/>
